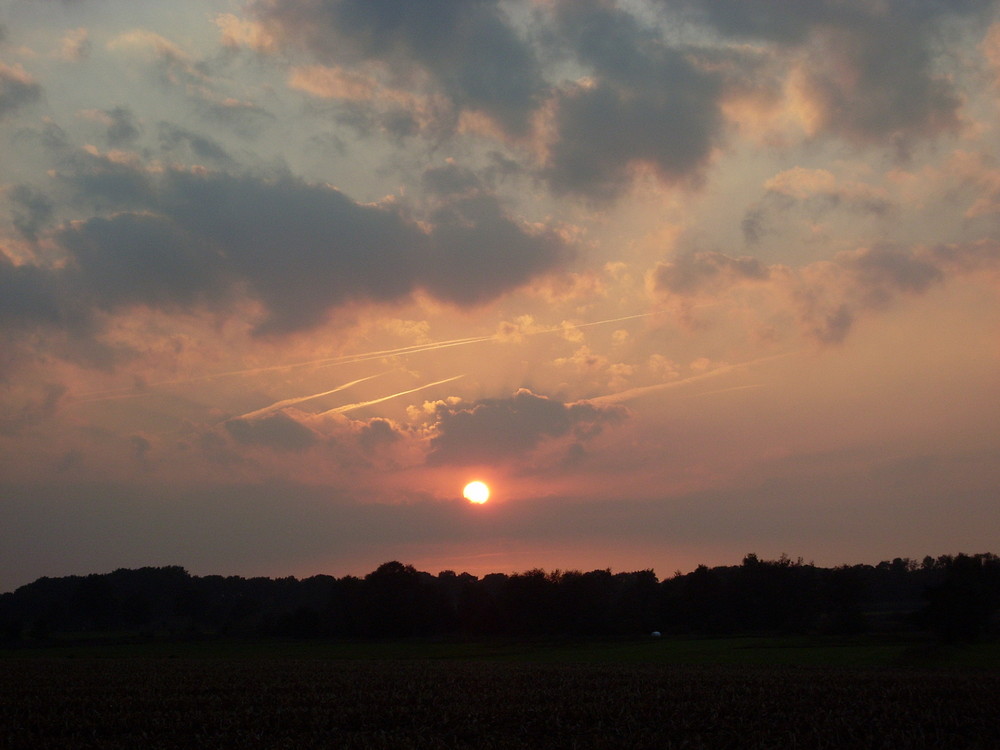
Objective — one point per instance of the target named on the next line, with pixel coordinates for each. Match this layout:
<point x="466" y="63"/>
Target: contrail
<point x="346" y="359"/>
<point x="599" y="322"/>
<point x="351" y="407"/>
<point x="632" y="393"/>
<point x="750" y="387"/>
<point x="299" y="399"/>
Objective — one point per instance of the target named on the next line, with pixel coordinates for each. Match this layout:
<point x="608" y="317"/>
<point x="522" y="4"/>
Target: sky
<point x="680" y="280"/>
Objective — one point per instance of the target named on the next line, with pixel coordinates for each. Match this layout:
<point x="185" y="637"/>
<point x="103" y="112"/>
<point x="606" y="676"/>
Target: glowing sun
<point x="476" y="492"/>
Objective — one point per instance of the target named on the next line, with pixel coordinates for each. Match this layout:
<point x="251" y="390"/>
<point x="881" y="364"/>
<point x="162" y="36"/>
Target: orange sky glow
<point x="678" y="281"/>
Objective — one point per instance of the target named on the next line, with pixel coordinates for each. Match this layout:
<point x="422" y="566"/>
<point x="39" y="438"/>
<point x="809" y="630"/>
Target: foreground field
<point x="279" y="702"/>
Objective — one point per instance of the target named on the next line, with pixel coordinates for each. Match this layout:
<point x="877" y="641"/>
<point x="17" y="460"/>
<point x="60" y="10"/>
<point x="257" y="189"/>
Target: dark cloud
<point x="469" y="49"/>
<point x="243" y="118"/>
<point x="140" y="447"/>
<point x="829" y="297"/>
<point x="300" y="249"/>
<point x="277" y="431"/>
<point x="477" y="252"/>
<point x="99" y="181"/>
<point x="41" y="405"/>
<point x="376" y="434"/>
<point x="173" y="137"/>
<point x="771" y="213"/>
<point x="883" y="271"/>
<point x="450" y="179"/>
<point x="492" y="430"/>
<point x="871" y="66"/>
<point x="647" y="104"/>
<point x="123" y="128"/>
<point x="695" y="272"/>
<point x="861" y="282"/>
<point x="141" y="259"/>
<point x="772" y="20"/>
<point x="32" y="210"/>
<point x="17" y="89"/>
<point x="33" y="296"/>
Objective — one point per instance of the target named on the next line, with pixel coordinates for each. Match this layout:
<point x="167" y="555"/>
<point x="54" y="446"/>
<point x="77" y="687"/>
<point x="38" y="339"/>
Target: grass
<point x="788" y="651"/>
<point x="498" y="699"/>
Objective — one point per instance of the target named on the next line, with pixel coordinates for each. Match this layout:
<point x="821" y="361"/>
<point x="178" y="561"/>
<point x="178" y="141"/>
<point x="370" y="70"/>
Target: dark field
<point x="450" y="697"/>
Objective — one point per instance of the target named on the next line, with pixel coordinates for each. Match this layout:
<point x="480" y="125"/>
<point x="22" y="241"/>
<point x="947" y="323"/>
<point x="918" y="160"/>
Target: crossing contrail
<point x="299" y="399"/>
<point x="346" y="359"/>
<point x="351" y="407"/>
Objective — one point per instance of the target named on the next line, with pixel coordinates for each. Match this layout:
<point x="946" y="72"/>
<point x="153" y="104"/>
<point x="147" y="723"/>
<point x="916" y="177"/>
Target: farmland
<point x="491" y="695"/>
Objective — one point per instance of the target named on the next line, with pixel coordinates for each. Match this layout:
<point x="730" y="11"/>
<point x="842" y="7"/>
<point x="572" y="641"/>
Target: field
<point x="491" y="696"/>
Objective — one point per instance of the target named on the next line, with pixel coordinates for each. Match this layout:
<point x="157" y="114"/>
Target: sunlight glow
<point x="476" y="492"/>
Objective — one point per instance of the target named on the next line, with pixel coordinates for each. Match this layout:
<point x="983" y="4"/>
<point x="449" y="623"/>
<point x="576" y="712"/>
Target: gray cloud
<point x="477" y="252"/>
<point x="770" y="214"/>
<point x="450" y="179"/>
<point x="469" y="49"/>
<point x="491" y="430"/>
<point x="871" y="66"/>
<point x="40" y="406"/>
<point x="694" y="272"/>
<point x="300" y="249"/>
<point x="32" y="210"/>
<point x="646" y="104"/>
<point x="829" y="297"/>
<point x="17" y="89"/>
<point x="123" y="128"/>
<point x="277" y="431"/>
<point x="173" y="137"/>
<point x="243" y="118"/>
<point x="133" y="259"/>
<point x="864" y="281"/>
<point x="33" y="296"/>
<point x="98" y="181"/>
<point x="377" y="433"/>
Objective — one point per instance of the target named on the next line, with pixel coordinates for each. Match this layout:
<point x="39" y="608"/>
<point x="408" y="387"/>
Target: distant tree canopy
<point x="955" y="598"/>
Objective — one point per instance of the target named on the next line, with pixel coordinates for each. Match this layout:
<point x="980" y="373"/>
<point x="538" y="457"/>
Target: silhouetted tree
<point x="960" y="608"/>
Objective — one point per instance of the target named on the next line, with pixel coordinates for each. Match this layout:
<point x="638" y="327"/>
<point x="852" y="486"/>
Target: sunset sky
<point x="680" y="280"/>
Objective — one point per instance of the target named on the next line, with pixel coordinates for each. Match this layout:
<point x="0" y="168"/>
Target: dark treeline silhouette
<point x="952" y="597"/>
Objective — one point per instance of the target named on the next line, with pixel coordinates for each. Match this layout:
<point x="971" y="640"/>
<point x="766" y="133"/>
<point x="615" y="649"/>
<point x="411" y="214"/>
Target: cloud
<point x="174" y="137"/>
<point x="32" y="210"/>
<point x="827" y="297"/>
<point x="301" y="250"/>
<point x="489" y="431"/>
<point x="174" y="64"/>
<point x="141" y="259"/>
<point x="469" y="51"/>
<point x="506" y="253"/>
<point x="868" y="70"/>
<point x="122" y="126"/>
<point x="39" y="404"/>
<point x="814" y="192"/>
<point x="75" y="45"/>
<point x="694" y="273"/>
<point x="450" y="179"/>
<point x="276" y="431"/>
<point x="33" y="296"/>
<point x="645" y="104"/>
<point x="17" y="89"/>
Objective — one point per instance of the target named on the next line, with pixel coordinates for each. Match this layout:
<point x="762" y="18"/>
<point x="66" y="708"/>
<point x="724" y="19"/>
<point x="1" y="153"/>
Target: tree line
<point x="952" y="597"/>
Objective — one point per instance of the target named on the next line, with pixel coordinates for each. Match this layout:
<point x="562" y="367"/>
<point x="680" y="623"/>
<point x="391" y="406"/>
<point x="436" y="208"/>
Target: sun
<point x="476" y="492"/>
